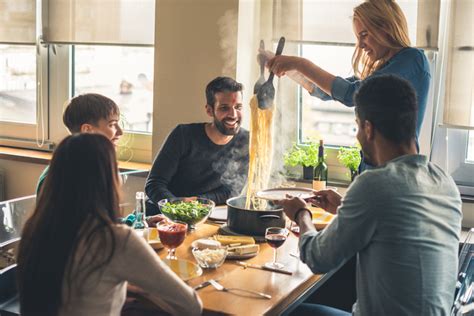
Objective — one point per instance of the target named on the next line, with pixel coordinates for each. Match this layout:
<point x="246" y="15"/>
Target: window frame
<point x="23" y="134"/>
<point x="56" y="82"/>
<point x="458" y="142"/>
<point x="140" y="149"/>
<point x="338" y="173"/>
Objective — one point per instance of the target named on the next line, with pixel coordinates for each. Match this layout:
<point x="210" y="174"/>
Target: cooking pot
<point x="252" y="222"/>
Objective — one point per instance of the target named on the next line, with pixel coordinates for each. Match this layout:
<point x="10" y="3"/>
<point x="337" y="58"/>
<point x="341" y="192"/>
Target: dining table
<point x="286" y="291"/>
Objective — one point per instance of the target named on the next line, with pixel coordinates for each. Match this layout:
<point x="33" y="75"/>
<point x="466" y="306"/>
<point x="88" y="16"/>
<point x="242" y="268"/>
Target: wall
<point x="192" y="48"/>
<point x="20" y="177"/>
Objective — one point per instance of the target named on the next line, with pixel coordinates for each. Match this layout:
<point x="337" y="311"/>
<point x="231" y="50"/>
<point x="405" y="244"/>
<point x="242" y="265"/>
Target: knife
<point x="257" y="266"/>
<point x="202" y="285"/>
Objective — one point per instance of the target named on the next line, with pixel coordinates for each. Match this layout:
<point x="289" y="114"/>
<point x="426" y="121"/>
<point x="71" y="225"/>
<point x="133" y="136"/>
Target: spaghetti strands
<point x="260" y="153"/>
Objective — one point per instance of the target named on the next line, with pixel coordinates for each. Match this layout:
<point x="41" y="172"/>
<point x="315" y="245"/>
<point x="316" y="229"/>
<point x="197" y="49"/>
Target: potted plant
<point x="305" y="155"/>
<point x="350" y="158"/>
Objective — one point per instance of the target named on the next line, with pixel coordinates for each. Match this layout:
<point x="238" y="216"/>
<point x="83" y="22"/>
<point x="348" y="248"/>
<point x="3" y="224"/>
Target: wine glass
<point x="172" y="235"/>
<point x="275" y="237"/>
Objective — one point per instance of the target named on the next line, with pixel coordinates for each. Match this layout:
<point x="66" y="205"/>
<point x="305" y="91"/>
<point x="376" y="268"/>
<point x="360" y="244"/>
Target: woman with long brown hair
<point x="383" y="47"/>
<point x="73" y="258"/>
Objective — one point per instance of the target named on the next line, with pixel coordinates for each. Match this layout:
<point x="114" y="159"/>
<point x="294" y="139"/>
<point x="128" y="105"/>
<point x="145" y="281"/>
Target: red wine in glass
<point x="172" y="234"/>
<point x="275" y="237"/>
<point x="275" y="240"/>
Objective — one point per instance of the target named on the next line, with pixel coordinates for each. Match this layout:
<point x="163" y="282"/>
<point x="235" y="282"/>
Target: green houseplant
<point x="350" y="158"/>
<point x="305" y="155"/>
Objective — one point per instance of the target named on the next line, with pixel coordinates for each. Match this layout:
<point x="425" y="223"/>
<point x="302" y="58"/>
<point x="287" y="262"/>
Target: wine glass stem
<point x="171" y="253"/>
<point x="274" y="255"/>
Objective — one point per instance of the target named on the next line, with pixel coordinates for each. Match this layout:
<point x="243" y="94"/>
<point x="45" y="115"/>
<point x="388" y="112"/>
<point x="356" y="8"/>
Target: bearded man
<point x="208" y="160"/>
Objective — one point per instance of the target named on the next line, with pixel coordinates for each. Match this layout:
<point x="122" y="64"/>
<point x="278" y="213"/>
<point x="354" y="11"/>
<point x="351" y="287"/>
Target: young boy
<point x="90" y="113"/>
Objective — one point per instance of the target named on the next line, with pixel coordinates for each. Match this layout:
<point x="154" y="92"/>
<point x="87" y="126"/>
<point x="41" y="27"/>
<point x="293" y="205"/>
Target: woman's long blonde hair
<point x="385" y="21"/>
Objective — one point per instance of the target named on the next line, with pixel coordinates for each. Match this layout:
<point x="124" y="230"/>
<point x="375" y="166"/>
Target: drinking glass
<point x="275" y="237"/>
<point x="172" y="235"/>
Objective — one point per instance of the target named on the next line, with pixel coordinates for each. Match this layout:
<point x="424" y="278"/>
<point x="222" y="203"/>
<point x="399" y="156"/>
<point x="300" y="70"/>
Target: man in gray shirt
<point x="402" y="219"/>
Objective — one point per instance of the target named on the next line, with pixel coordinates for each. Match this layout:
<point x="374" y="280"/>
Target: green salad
<point x="188" y="212"/>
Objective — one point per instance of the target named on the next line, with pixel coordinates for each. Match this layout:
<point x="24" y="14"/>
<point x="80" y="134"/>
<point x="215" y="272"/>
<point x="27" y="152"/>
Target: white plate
<point x="281" y="193"/>
<point x="185" y="269"/>
<point x="233" y="256"/>
<point x="219" y="213"/>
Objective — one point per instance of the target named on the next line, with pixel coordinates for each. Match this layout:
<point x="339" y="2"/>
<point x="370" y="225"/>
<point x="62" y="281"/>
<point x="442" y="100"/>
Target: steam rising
<point x="227" y="24"/>
<point x="233" y="168"/>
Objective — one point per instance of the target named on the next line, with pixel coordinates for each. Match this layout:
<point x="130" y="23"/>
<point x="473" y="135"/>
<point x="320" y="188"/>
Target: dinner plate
<point x="232" y="256"/>
<point x="184" y="269"/>
<point x="281" y="193"/>
<point x="219" y="213"/>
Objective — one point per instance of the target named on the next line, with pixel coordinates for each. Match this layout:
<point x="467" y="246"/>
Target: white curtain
<point x="330" y="21"/>
<point x="117" y="22"/>
<point x="18" y="21"/>
<point x="459" y="97"/>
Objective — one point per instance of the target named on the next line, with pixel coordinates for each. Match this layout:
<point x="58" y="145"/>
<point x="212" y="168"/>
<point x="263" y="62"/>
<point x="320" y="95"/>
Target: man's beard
<point x="224" y="130"/>
<point x="367" y="155"/>
<point x="367" y="152"/>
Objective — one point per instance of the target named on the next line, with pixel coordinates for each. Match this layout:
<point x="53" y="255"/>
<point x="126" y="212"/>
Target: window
<point x="332" y="51"/>
<point x="329" y="120"/>
<point x="75" y="50"/>
<point x="124" y="74"/>
<point x="18" y="83"/>
<point x="470" y="148"/>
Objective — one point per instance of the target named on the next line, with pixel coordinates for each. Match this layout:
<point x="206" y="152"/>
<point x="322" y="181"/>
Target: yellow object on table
<point x="230" y="240"/>
<point x="184" y="269"/>
<point x="321" y="218"/>
<point x="153" y="239"/>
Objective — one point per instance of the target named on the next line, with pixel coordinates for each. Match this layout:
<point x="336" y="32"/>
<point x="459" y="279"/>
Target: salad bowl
<point x="191" y="212"/>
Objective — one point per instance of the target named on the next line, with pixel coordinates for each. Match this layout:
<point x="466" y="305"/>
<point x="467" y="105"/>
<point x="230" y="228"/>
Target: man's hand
<point x="190" y="198"/>
<point x="328" y="200"/>
<point x="153" y="220"/>
<point x="291" y="205"/>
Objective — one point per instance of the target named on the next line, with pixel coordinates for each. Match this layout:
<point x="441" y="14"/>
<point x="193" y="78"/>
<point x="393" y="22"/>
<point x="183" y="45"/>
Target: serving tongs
<point x="261" y="61"/>
<point x="266" y="93"/>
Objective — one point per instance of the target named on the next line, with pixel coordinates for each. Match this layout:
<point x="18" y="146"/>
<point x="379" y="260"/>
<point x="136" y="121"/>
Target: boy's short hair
<point x="88" y="108"/>
<point x="221" y="84"/>
<point x="389" y="103"/>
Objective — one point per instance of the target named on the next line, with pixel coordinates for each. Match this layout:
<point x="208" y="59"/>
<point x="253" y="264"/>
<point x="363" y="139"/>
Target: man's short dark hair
<point x="389" y="103"/>
<point x="88" y="108"/>
<point x="221" y="84"/>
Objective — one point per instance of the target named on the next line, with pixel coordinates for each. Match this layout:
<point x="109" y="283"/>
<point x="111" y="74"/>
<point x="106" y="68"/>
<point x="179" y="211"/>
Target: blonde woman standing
<point x="383" y="47"/>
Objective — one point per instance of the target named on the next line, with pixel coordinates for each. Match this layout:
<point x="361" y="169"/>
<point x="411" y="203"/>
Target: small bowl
<point x="210" y="258"/>
<point x="191" y="212"/>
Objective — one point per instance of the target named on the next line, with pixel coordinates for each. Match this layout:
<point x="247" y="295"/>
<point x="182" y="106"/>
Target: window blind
<point x="110" y="22"/>
<point x="18" y="21"/>
<point x="330" y="21"/>
<point x="459" y="97"/>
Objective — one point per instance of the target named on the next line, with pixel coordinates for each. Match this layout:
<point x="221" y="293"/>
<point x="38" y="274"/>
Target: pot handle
<point x="269" y="217"/>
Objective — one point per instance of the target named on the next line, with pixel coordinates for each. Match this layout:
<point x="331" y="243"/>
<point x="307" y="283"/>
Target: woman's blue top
<point x="409" y="63"/>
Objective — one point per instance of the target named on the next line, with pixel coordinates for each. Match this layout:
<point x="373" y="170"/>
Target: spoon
<point x="261" y="61"/>
<point x="266" y="93"/>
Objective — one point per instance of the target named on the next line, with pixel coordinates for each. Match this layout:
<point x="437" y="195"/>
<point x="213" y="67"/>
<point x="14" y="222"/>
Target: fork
<point x="220" y="287"/>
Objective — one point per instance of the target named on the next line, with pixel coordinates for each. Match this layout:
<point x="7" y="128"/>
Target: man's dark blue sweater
<point x="190" y="164"/>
